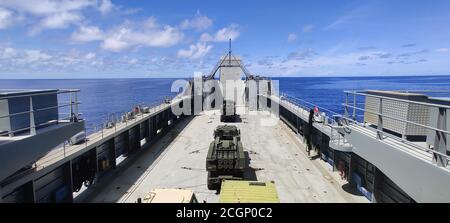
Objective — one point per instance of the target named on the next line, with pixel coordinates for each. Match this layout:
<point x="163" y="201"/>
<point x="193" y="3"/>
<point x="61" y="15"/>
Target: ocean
<point x="102" y="97"/>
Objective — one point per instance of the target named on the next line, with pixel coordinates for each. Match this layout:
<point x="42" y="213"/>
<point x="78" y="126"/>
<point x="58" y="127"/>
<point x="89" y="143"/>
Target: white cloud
<point x="131" y="11"/>
<point x="292" y="38"/>
<point x="308" y="61"/>
<point x="337" y="23"/>
<point x="223" y="35"/>
<point x="206" y="37"/>
<point x="60" y="20"/>
<point x="36" y="55"/>
<point x="90" y="56"/>
<point x="150" y="23"/>
<point x="195" y="51"/>
<point x="49" y="14"/>
<point x="301" y="55"/>
<point x="5" y="18"/>
<point x="199" y="22"/>
<point x="442" y="50"/>
<point x="230" y="32"/>
<point x="106" y="6"/>
<point x="357" y="14"/>
<point x="46" y="7"/>
<point x="8" y="53"/>
<point x="30" y="60"/>
<point x="54" y="14"/>
<point x="133" y="61"/>
<point x="308" y="28"/>
<point x="147" y="33"/>
<point x="131" y="35"/>
<point x="87" y="34"/>
<point x="116" y="42"/>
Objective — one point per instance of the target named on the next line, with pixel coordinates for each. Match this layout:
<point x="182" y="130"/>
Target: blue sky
<point x="120" y="39"/>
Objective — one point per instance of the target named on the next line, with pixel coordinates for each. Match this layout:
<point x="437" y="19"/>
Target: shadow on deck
<point x="249" y="172"/>
<point x="155" y="149"/>
<point x="351" y="189"/>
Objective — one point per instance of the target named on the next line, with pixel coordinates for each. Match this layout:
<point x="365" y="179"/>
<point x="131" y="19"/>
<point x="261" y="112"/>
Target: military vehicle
<point x="225" y="158"/>
<point x="228" y="111"/>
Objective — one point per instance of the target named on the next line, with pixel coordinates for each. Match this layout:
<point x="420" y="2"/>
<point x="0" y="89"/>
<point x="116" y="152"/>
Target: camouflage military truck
<point x="225" y="158"/>
<point x="228" y="111"/>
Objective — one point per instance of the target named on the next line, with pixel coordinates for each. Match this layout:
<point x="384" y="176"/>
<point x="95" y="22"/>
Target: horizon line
<point x="309" y="76"/>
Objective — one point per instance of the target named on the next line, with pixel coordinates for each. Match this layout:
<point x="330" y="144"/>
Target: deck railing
<point x="331" y="118"/>
<point x="350" y="117"/>
<point x="72" y="115"/>
<point x="439" y="151"/>
<point x="98" y="131"/>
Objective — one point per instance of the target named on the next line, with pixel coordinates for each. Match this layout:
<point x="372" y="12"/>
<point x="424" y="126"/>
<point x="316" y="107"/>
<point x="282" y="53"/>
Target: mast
<point x="229" y="51"/>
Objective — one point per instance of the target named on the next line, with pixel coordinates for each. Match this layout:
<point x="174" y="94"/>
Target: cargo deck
<point x="178" y="161"/>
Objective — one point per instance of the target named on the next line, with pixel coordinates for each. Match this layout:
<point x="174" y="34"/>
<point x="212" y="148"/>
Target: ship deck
<point x="275" y="154"/>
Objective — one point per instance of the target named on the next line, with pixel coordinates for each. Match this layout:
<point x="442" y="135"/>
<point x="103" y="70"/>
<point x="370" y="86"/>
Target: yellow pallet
<point x="237" y="191"/>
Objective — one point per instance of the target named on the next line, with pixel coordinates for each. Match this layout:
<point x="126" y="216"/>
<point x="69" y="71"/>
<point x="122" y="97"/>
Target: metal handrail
<point x="27" y="128"/>
<point x="327" y="118"/>
<point x="423" y="91"/>
<point x="338" y="136"/>
<point x="408" y="142"/>
<point x="398" y="119"/>
<point x="380" y="131"/>
<point x="73" y="104"/>
<point x="59" y="91"/>
<point x="335" y="135"/>
<point x="399" y="100"/>
<point x="153" y="106"/>
<point x="41" y="109"/>
<point x="389" y="135"/>
<point x="312" y="104"/>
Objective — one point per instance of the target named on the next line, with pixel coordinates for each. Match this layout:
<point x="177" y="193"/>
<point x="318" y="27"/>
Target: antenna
<point x="229" y="52"/>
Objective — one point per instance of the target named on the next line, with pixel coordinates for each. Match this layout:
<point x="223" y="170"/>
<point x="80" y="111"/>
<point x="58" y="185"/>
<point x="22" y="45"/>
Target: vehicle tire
<point x="217" y="187"/>
<point x="210" y="183"/>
